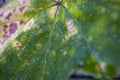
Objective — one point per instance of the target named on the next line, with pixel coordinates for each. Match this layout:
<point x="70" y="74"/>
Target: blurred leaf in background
<point x="49" y="40"/>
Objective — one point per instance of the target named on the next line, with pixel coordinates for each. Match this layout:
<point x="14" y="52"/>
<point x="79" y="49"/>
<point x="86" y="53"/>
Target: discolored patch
<point x="70" y="26"/>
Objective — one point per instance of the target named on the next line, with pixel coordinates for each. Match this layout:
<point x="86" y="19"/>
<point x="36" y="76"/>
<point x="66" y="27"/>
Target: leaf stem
<point x="49" y="39"/>
<point x="56" y="12"/>
<point x="41" y="11"/>
<point x="70" y="14"/>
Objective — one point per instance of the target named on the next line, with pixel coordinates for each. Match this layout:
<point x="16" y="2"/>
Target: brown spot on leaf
<point x="22" y="22"/>
<point x="5" y="26"/>
<point x="14" y="10"/>
<point x="4" y="29"/>
<point x="38" y="46"/>
<point x="6" y="32"/>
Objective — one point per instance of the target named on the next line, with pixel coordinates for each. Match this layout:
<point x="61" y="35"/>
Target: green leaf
<point x="75" y="35"/>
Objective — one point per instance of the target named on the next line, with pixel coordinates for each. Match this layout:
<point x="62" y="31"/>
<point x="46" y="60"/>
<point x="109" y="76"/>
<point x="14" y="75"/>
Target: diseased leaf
<point x="49" y="40"/>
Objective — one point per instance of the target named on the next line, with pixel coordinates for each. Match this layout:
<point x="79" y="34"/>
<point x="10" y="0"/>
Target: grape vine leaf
<point x="49" y="40"/>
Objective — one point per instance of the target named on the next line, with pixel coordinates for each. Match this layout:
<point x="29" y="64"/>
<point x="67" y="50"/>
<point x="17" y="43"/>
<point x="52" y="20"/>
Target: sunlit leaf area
<point x="53" y="39"/>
